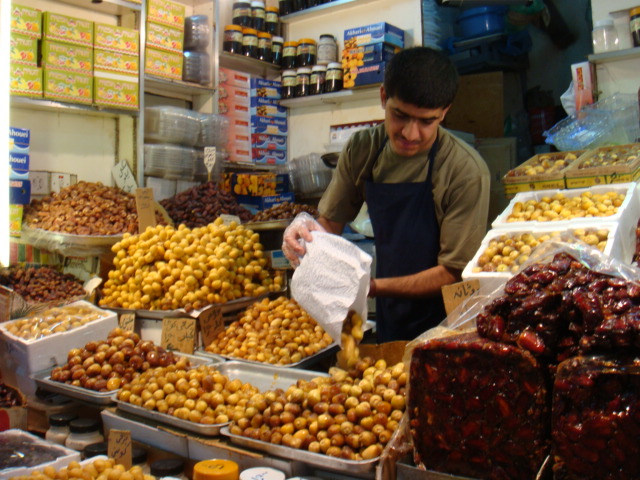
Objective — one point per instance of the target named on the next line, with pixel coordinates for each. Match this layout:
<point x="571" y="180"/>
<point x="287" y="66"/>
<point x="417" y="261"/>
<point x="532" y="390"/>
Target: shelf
<point x="174" y="88"/>
<point x="366" y="93"/>
<point x="53" y="106"/>
<point x="248" y="64"/>
<point x="111" y="7"/>
<point x="608" y="57"/>
<point x="331" y="7"/>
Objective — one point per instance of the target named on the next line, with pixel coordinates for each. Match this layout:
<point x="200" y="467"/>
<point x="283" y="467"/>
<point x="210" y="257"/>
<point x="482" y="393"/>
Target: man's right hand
<point x="295" y="236"/>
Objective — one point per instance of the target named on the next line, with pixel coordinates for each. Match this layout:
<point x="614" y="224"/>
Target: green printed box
<point x="164" y="37"/>
<point x="116" y="93"/>
<point x="26" y="20"/>
<point x="23" y="49"/>
<point x="166" y="12"/>
<point x="115" y="62"/>
<point x="65" y="56"/>
<point x="163" y="64"/>
<point x="67" y="29"/>
<point x="118" y="39"/>
<point x="25" y="80"/>
<point x="68" y="86"/>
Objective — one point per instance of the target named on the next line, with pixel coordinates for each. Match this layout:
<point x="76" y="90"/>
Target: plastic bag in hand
<point x="296" y="234"/>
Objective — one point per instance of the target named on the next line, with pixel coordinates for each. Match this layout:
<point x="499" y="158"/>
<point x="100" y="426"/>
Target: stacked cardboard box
<point x="19" y="184"/>
<point x="164" y="39"/>
<point x="25" y="76"/>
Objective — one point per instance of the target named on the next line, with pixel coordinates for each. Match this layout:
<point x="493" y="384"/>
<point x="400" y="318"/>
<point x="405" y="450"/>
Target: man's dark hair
<point x="421" y="76"/>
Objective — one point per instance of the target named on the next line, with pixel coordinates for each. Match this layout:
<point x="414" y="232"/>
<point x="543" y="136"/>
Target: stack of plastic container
<point x="197" y="62"/>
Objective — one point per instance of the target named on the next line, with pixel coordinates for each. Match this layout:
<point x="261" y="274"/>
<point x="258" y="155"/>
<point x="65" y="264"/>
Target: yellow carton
<point x="23" y="49"/>
<point x="166" y="12"/>
<point x="109" y="92"/>
<point x="25" y="80"/>
<point x="115" y="62"/>
<point x="164" y="37"/>
<point x="67" y="29"/>
<point x="604" y="166"/>
<point x="26" y="21"/>
<point x="163" y="64"/>
<point x="68" y="86"/>
<point x="117" y="39"/>
<point x="65" y="56"/>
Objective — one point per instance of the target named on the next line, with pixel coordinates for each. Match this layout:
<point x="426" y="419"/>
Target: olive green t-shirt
<point x="461" y="184"/>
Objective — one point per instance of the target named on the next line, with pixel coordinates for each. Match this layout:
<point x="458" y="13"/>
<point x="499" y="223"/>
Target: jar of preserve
<point x="59" y="427"/>
<point x="285" y="7"/>
<point x="83" y="432"/>
<point x="232" y="39"/>
<point x="169" y="467"/>
<point x="289" y="52"/>
<point x="250" y="42"/>
<point x="276" y="50"/>
<point x="216" y="470"/>
<point x="333" y="80"/>
<point x="298" y="5"/>
<point x="327" y="49"/>
<point x="272" y="20"/>
<point x="317" y="79"/>
<point x="634" y="24"/>
<point x="313" y="3"/>
<point x="258" y="15"/>
<point x="264" y="46"/>
<point x="306" y="53"/>
<point x="288" y="89"/>
<point x="242" y="14"/>
<point x="303" y="77"/>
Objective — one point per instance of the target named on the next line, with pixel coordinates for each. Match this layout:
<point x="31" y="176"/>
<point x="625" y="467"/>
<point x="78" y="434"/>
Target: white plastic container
<point x="59" y="427"/>
<point x="84" y="431"/>
<point x="604" y="36"/>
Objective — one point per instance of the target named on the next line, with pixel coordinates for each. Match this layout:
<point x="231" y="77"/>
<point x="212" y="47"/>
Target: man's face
<point x="411" y="130"/>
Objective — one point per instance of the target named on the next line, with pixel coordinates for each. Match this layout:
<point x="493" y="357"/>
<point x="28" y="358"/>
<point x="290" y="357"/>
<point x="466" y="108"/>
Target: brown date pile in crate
<point x="478" y="408"/>
<point x="283" y="211"/>
<point x="42" y="284"/>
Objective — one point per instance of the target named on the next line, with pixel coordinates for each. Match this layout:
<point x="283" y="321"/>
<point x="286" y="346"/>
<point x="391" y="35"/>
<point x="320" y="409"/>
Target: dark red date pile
<point x="9" y="397"/>
<point x="201" y="205"/>
<point x="478" y="408"/>
<point x="42" y="284"/>
<point x="283" y="211"/>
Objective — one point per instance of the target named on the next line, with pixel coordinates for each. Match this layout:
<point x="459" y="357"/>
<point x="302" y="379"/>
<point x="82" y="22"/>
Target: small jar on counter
<point x="59" y="427"/>
<point x="303" y="77"/>
<point x="232" y="40"/>
<point x="306" y="53"/>
<point x="276" y="50"/>
<point x="327" y="49"/>
<point x="272" y="21"/>
<point x="333" y="80"/>
<point x="250" y="42"/>
<point x="83" y="432"/>
<point x="317" y="79"/>
<point x="288" y="84"/>
<point x="216" y="470"/>
<point x="285" y="7"/>
<point x="241" y="13"/>
<point x="634" y="25"/>
<point x="139" y="458"/>
<point x="262" y="473"/>
<point x="95" y="449"/>
<point x="169" y="467"/>
<point x="289" y="52"/>
<point x="264" y="46"/>
<point x="258" y="15"/>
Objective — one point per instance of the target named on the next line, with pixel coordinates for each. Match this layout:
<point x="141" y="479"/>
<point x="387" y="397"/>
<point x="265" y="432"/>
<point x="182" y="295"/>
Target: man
<point x="426" y="190"/>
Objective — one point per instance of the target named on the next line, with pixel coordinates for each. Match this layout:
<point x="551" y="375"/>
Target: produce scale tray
<point x="43" y="380"/>
<point x="262" y="377"/>
<point x="361" y="468"/>
<point x="84" y="245"/>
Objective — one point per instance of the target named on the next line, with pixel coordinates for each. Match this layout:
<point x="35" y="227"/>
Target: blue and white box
<point x="19" y="139"/>
<point x="18" y="166"/>
<point x="381" y="32"/>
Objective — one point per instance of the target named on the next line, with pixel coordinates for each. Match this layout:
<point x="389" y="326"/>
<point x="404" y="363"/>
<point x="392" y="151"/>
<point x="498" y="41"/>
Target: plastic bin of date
<point x="477" y="408"/>
<point x="596" y="419"/>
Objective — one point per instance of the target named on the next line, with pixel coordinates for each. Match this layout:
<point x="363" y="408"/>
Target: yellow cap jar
<point x="216" y="470"/>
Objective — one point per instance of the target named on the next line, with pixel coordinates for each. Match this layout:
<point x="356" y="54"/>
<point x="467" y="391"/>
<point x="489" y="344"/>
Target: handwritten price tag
<point x="211" y="323"/>
<point x="454" y="294"/>
<point x="145" y="205"/>
<point x="119" y="447"/>
<point x="179" y="334"/>
<point x="128" y="321"/>
<point x="124" y="177"/>
<point x="210" y="158"/>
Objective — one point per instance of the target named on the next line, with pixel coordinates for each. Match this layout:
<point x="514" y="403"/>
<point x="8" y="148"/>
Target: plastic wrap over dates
<point x="201" y="205"/>
<point x="478" y="408"/>
<point x="42" y="284"/>
<point x="561" y="309"/>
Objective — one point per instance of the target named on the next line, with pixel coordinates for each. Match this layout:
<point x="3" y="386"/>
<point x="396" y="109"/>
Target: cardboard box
<point x="269" y="142"/>
<point x="15" y="221"/>
<point x="23" y="252"/>
<point x="228" y="107"/>
<point x="164" y="37"/>
<point x="26" y="20"/>
<point x="68" y="86"/>
<point x="234" y="94"/>
<point x="269" y="125"/>
<point x="18" y="165"/>
<point x="163" y="64"/>
<point x="268" y="109"/>
<point x="107" y="61"/>
<point x="68" y="57"/>
<point x="234" y="78"/>
<point x="364" y="75"/>
<point x="381" y="32"/>
<point x="254" y="184"/>
<point x="118" y="93"/>
<point x="592" y="168"/>
<point x="117" y="39"/>
<point x="269" y="157"/>
<point x="257" y="82"/>
<point x="19" y="192"/>
<point x="262" y="203"/>
<point x="64" y="28"/>
<point x="166" y="12"/>
<point x="23" y="49"/>
<point x="366" y="54"/>
<point x="584" y="83"/>
<point x="19" y="140"/>
<point x="25" y="80"/>
<point x="272" y="92"/>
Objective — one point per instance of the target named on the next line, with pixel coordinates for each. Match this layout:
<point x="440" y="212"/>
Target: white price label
<point x="209" y="159"/>
<point x="227" y="219"/>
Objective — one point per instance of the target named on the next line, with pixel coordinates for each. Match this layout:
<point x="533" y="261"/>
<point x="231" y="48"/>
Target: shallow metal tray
<point x="362" y="468"/>
<point x="58" y="241"/>
<point x="43" y="380"/>
<point x="280" y="224"/>
<point x="262" y="377"/>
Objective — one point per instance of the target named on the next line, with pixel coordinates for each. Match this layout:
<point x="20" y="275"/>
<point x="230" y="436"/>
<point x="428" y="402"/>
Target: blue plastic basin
<point x="479" y="21"/>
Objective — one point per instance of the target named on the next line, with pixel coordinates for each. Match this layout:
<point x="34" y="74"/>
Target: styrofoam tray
<point x="629" y="189"/>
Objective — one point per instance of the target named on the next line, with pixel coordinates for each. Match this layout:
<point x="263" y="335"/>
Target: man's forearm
<point x="427" y="283"/>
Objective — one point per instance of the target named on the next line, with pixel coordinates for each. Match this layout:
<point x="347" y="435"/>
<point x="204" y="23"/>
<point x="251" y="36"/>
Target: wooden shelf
<point x="54" y="106"/>
<point x="331" y="7"/>
<point x="615" y="56"/>
<point x="349" y="95"/>
<point x="174" y="88"/>
<point x="248" y="65"/>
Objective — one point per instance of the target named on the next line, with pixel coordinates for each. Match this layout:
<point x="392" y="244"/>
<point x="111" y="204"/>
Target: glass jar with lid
<point x="83" y="432"/>
<point x="276" y="50"/>
<point x="258" y="15"/>
<point x="264" y="46"/>
<point x="289" y="51"/>
<point x="285" y="7"/>
<point x="95" y="449"/>
<point x="232" y="39"/>
<point x="604" y="36"/>
<point x="306" y="53"/>
<point x="250" y="42"/>
<point x="288" y="89"/>
<point x="327" y="49"/>
<point x="317" y="79"/>
<point x="272" y="21"/>
<point x="59" y="427"/>
<point x="241" y="14"/>
<point x="303" y="77"/>
<point x="634" y="25"/>
<point x="334" y="78"/>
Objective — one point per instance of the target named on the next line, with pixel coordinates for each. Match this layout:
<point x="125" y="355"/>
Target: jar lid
<point x="303" y="70"/>
<point x="95" y="449"/>
<point x="276" y="38"/>
<point x="138" y="455"/>
<point x="84" y="425"/>
<point x="262" y="473"/>
<point x="249" y="31"/>
<point x="319" y="68"/>
<point x="241" y="2"/>
<point x="291" y="44"/>
<point x="257" y="3"/>
<point x="307" y="40"/>
<point x="61" y="419"/>
<point x="289" y="73"/>
<point x="335" y="65"/>
<point x="215" y="470"/>
<point x="167" y="467"/>
<point x="264" y="35"/>
<point x="325" y="35"/>
<point x="273" y="9"/>
<point x="233" y="27"/>
<point x="607" y="22"/>
<point x="634" y="11"/>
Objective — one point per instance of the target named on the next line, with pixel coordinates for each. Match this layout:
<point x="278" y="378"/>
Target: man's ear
<point x="383" y="96"/>
<point x="444" y="112"/>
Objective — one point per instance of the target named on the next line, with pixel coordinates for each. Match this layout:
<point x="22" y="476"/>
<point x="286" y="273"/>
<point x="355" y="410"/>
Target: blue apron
<point x="407" y="239"/>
